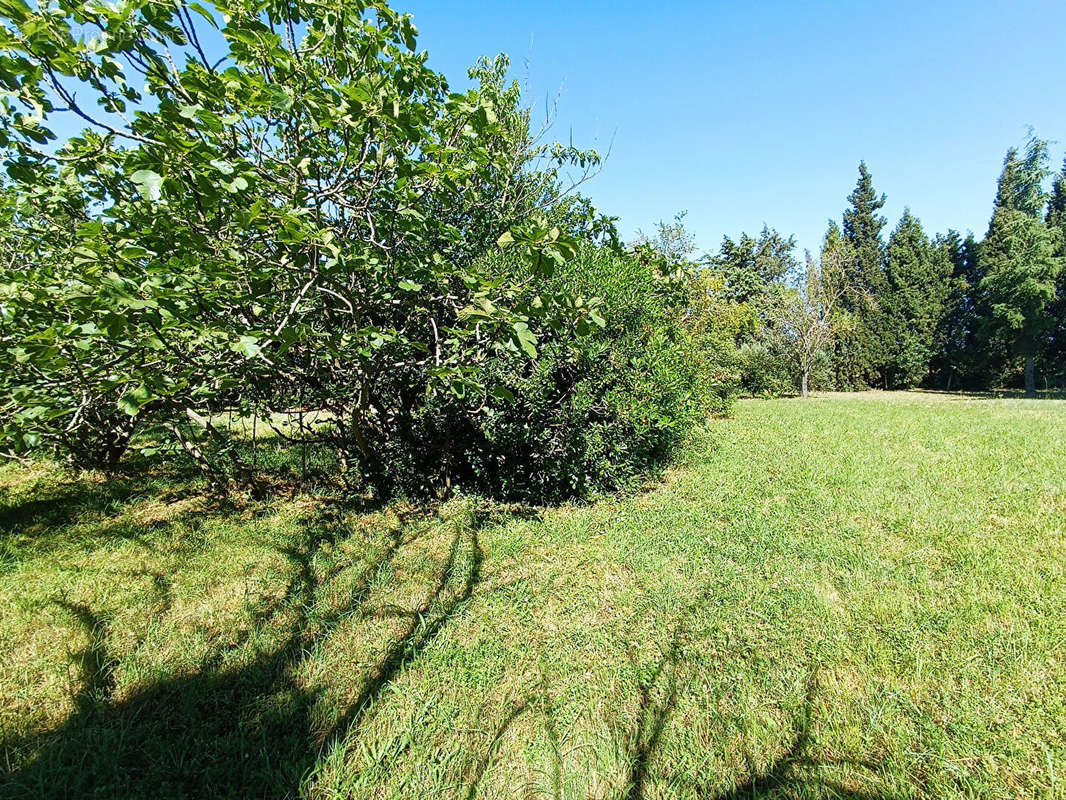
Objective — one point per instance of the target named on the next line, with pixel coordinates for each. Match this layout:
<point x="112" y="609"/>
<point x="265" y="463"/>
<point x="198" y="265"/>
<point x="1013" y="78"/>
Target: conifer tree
<point x="861" y="349"/>
<point x="1055" y="355"/>
<point x="912" y="302"/>
<point x="862" y="230"/>
<point x="751" y="265"/>
<point x="960" y="359"/>
<point x="1021" y="258"/>
<point x="1056" y="209"/>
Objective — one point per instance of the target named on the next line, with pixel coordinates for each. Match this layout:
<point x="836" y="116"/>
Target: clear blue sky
<point x="742" y="113"/>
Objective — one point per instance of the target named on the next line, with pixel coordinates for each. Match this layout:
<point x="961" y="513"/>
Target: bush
<point x="764" y="372"/>
<point x="600" y="406"/>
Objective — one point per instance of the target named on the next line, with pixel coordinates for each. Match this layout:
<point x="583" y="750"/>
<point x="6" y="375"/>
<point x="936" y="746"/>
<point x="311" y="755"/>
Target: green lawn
<point x="854" y="596"/>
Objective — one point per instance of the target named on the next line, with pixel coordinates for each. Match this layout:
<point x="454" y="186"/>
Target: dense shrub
<point x="764" y="372"/>
<point x="597" y="408"/>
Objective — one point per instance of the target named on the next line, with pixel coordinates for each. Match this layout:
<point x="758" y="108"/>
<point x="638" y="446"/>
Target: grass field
<point x="854" y="596"/>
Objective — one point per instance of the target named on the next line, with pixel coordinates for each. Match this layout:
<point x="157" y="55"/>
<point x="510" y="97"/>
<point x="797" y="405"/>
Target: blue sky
<point x="744" y="113"/>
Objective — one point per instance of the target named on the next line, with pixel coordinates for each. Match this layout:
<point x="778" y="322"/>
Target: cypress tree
<point x="913" y="302"/>
<point x="862" y="230"/>
<point x="1021" y="258"/>
<point x="750" y="266"/>
<point x="1056" y="208"/>
<point x="862" y="348"/>
<point x="960" y="359"/>
<point x="1055" y="355"/>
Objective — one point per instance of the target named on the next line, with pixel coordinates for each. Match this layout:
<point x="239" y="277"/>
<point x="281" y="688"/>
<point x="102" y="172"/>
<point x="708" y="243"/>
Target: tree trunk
<point x="803" y="382"/>
<point x="1030" y="375"/>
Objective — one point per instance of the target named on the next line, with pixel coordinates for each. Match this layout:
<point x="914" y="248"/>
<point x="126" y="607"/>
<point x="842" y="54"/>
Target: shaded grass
<point x="856" y="596"/>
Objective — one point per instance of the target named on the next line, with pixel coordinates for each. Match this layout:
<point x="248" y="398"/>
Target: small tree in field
<point x="805" y="318"/>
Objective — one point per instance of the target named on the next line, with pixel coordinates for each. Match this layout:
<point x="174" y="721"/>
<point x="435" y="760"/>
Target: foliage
<point x="806" y="319"/>
<point x="764" y="372"/>
<point x="955" y="311"/>
<point x="913" y="305"/>
<point x="672" y="245"/>
<point x="597" y="409"/>
<point x="1054" y="356"/>
<point x="751" y="266"/>
<point x="961" y="356"/>
<point x="1021" y="257"/>
<point x="860" y="352"/>
<point x="291" y="215"/>
<point x="739" y="283"/>
<point x="1022" y="269"/>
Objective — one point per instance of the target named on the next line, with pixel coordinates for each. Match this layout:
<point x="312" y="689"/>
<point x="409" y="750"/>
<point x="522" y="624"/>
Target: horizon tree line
<point x="947" y="311"/>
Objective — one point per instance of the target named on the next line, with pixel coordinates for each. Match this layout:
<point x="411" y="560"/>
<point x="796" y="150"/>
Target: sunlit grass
<point x="854" y="596"/>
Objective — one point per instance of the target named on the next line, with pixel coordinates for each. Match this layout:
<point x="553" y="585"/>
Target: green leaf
<point x="503" y="393"/>
<point x="84" y="254"/>
<point x="410" y="286"/>
<point x="114" y="324"/>
<point x="149" y="184"/>
<point x="409" y="32"/>
<point x="527" y="340"/>
<point x="248" y="346"/>
<point x="133" y="400"/>
<point x="203" y="12"/>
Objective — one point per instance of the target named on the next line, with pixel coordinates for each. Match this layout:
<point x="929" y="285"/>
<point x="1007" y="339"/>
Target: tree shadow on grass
<point x="486" y="758"/>
<point x="653" y="715"/>
<point x="64" y="504"/>
<point x="245" y="731"/>
<point x="422" y="626"/>
<point x="792" y="774"/>
<point x="83" y="513"/>
<point x="93" y="662"/>
<point x="658" y="696"/>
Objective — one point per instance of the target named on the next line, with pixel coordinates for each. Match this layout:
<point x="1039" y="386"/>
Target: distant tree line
<point x="948" y="311"/>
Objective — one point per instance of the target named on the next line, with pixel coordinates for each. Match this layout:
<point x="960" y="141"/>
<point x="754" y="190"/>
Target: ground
<point x="852" y="596"/>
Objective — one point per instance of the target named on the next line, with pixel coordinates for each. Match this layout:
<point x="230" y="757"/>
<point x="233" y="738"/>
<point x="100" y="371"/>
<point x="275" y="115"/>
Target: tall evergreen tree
<point x="1055" y="354"/>
<point x="913" y="302"/>
<point x="861" y="349"/>
<point x="862" y="230"/>
<point x="1021" y="258"/>
<point x="959" y="360"/>
<point x="1056" y="208"/>
<point x="751" y="265"/>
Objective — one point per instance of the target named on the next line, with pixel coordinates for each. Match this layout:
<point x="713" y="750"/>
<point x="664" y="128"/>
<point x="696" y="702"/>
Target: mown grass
<point x="854" y="596"/>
